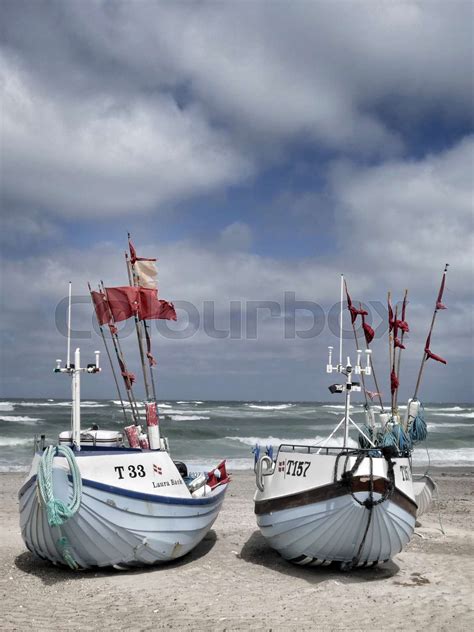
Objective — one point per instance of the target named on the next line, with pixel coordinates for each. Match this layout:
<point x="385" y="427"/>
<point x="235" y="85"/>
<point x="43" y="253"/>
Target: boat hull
<point x="424" y="487"/>
<point x="322" y="520"/>
<point x="117" y="526"/>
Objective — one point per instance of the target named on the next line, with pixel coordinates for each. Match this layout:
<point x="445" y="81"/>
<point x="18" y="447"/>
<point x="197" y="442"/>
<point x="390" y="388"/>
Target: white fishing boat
<point x="352" y="502"/>
<point x="90" y="501"/>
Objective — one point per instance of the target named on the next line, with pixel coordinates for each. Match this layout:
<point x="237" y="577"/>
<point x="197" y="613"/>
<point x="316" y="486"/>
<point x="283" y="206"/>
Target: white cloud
<point x="410" y="215"/>
<point x="103" y="156"/>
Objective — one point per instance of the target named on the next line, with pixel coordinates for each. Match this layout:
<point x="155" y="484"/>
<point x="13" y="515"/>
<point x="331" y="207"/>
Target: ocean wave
<point x="188" y="417"/>
<point x="20" y="420"/>
<point x="457" y="456"/>
<point x="190" y="401"/>
<point x="207" y="463"/>
<point x="276" y="441"/>
<point x="48" y="404"/>
<point x="13" y="468"/>
<point x="6" y="407"/>
<point x="11" y="441"/>
<point x="448" y="409"/>
<point x="268" y="407"/>
<point x="469" y="415"/>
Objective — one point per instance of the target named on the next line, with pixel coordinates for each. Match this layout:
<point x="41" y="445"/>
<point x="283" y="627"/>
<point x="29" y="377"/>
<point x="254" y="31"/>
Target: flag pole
<point x="389" y="298"/>
<point x="394" y="354"/>
<point x="436" y="309"/>
<point x="121" y="361"/>
<point x="340" y="322"/>
<point x="357" y="347"/>
<point x="131" y="280"/>
<point x="374" y="374"/>
<point x="110" y="359"/>
<point x="401" y="341"/>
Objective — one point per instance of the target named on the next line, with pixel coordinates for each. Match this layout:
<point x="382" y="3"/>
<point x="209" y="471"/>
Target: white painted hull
<point x="117" y="525"/>
<point x="317" y="520"/>
<point x="424" y="488"/>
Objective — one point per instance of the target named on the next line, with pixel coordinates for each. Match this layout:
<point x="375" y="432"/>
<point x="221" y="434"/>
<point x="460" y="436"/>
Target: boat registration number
<point x="297" y="468"/>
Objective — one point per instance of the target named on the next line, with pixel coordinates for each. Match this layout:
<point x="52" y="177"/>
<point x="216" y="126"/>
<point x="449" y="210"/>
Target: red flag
<point x="390" y="315"/>
<point x="128" y="378"/>
<point x="394" y="383"/>
<point x="369" y="332"/>
<point x="353" y="310"/>
<point x="151" y="359"/>
<point x="133" y="254"/>
<point x="101" y="307"/>
<point x="403" y="325"/>
<point x="373" y="394"/>
<point x="153" y="308"/>
<point x="123" y="301"/>
<point x="397" y="343"/>
<point x="430" y="354"/>
<point x="439" y="300"/>
<point x="218" y="476"/>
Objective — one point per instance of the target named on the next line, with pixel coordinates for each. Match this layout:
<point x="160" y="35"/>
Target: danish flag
<point x="281" y="466"/>
<point x="157" y="469"/>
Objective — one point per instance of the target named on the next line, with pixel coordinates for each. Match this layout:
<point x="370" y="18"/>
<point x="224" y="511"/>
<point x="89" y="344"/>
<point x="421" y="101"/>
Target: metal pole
<point x="347" y="403"/>
<point x="340" y="323"/>
<point x="420" y="373"/>
<point x="68" y="360"/>
<point x="357" y="349"/>
<point x="76" y="401"/>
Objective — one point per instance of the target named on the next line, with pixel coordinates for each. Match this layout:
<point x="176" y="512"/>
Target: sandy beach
<point x="233" y="581"/>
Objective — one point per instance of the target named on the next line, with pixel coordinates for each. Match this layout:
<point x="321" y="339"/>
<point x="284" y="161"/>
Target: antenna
<point x="340" y="321"/>
<point x="68" y="361"/>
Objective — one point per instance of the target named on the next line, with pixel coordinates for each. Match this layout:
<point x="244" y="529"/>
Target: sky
<point x="259" y="150"/>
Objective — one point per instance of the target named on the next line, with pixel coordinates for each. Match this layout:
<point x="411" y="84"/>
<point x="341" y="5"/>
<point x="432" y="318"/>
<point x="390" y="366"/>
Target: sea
<point x="201" y="433"/>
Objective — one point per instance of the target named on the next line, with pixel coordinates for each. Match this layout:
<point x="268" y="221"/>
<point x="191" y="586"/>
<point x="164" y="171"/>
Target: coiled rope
<point x="57" y="511"/>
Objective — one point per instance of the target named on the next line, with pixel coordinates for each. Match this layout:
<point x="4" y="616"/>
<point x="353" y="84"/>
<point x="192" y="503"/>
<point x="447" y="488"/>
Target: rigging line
<point x="374" y="375"/>
<point x="357" y="349"/>
<point x="121" y="359"/>
<point x="110" y="359"/>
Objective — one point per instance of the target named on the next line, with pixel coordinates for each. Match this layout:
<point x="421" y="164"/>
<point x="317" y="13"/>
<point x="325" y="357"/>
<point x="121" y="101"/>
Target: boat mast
<point x="68" y="359"/>
<point x="340" y="321"/>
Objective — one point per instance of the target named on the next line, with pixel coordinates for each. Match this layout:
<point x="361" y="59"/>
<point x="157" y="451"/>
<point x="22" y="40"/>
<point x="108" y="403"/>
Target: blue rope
<point x="418" y="430"/>
<point x="269" y="451"/>
<point x="256" y="453"/>
<point x="369" y="432"/>
<point x="397" y="437"/>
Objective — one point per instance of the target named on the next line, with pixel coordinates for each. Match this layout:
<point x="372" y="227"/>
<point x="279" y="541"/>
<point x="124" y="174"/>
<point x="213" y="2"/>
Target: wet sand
<point x="233" y="581"/>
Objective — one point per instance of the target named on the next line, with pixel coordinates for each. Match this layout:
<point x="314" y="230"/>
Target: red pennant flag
<point x="390" y="316"/>
<point x="353" y="310"/>
<point x="373" y="394"/>
<point x="403" y="325"/>
<point x="369" y="333"/>
<point x="133" y="254"/>
<point x="101" y="307"/>
<point x="398" y="343"/>
<point x="430" y="354"/>
<point x="128" y="378"/>
<point x="123" y="302"/>
<point x="151" y="359"/>
<point x="439" y="300"/>
<point x="394" y="383"/>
